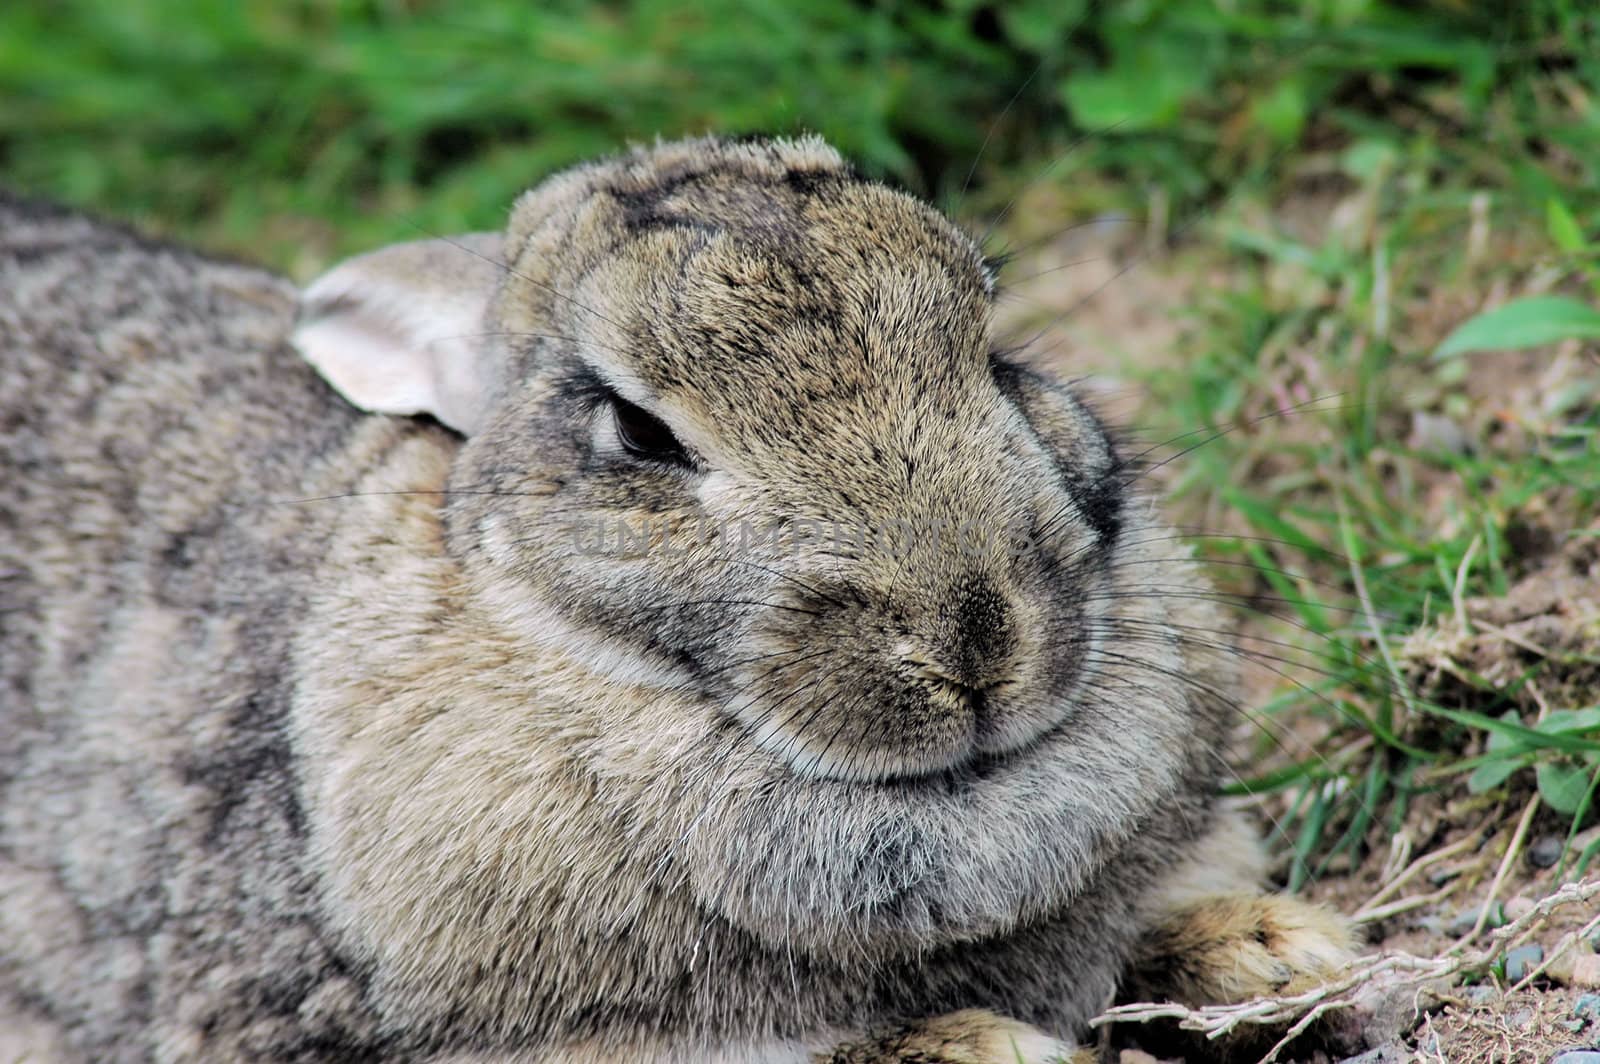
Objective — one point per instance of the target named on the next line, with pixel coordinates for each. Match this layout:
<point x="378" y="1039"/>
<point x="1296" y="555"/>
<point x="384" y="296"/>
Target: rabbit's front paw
<point x="972" y="1036"/>
<point x="1233" y="947"/>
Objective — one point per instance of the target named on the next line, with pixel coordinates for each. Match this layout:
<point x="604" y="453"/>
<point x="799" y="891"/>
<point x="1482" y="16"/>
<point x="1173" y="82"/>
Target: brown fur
<point x="1233" y="947"/>
<point x="323" y="740"/>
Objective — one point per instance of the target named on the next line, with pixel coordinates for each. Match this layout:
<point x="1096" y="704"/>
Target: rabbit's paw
<point x="972" y="1036"/>
<point x="1233" y="947"/>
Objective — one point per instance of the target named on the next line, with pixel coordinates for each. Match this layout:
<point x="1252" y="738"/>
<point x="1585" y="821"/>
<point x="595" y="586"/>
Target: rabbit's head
<point x="735" y="432"/>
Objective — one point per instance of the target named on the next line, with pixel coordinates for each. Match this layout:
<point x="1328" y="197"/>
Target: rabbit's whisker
<point x="687" y="603"/>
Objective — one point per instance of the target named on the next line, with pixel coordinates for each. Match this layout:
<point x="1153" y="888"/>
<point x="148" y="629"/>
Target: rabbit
<point x="329" y="733"/>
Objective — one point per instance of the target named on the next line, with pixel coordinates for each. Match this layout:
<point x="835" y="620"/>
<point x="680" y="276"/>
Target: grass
<point x="1372" y="474"/>
<point x="302" y="131"/>
<point x="1345" y="503"/>
<point x="1354" y="179"/>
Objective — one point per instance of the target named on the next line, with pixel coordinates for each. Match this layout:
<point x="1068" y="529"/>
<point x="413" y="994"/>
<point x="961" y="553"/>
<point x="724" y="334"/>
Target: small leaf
<point x="1039" y="26"/>
<point x="1489" y="776"/>
<point x="1146" y="87"/>
<point x="1563" y="227"/>
<point x="1282" y="110"/>
<point x="1368" y="160"/>
<point x="1522" y="738"/>
<point x="1523" y="323"/>
<point x="1499" y="740"/>
<point x="1570" y="720"/>
<point x="1562" y="785"/>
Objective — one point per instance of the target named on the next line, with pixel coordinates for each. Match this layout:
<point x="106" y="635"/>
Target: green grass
<point x="1466" y="137"/>
<point x="1339" y="515"/>
<point x="297" y="131"/>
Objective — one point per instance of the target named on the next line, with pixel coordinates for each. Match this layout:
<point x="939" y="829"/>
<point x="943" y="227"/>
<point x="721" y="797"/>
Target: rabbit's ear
<point x="401" y="330"/>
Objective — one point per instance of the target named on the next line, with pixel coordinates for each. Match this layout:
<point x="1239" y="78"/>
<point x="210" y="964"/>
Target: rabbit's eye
<point x="644" y="435"/>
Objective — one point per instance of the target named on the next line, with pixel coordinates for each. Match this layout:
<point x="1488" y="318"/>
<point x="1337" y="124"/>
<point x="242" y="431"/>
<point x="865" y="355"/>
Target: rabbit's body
<point x="321" y="739"/>
<point x="154" y="888"/>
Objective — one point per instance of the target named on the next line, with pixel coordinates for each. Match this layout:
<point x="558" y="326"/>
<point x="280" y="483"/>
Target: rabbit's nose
<point x="975" y="646"/>
<point x="983" y="639"/>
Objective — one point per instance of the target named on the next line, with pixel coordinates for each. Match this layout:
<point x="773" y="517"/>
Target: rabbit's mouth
<point x="886" y="704"/>
<point x="954" y="693"/>
<point x="913" y="860"/>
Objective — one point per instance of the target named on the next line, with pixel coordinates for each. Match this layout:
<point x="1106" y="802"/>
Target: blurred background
<point x="1336" y="263"/>
<point x="287" y="129"/>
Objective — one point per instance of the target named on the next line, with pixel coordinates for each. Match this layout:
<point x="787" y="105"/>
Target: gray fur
<point x="320" y="740"/>
<point x="154" y="889"/>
